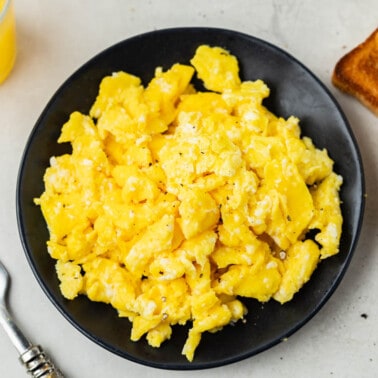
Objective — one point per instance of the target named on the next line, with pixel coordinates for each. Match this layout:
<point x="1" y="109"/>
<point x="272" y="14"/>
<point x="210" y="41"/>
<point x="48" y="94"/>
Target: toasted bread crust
<point x="356" y="72"/>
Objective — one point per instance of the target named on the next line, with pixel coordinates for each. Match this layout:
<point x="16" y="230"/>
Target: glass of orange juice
<point x="7" y="38"/>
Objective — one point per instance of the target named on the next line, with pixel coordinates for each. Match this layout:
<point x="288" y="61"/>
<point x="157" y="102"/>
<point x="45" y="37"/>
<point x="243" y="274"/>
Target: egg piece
<point x="300" y="262"/>
<point x="328" y="219"/>
<point x="71" y="280"/>
<point x="106" y="281"/>
<point x="157" y="238"/>
<point x="216" y="67"/>
<point x="290" y="203"/>
<point x="114" y="89"/>
<point x="259" y="280"/>
<point x="198" y="212"/>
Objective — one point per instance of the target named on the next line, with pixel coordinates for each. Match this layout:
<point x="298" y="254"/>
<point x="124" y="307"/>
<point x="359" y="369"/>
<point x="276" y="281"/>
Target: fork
<point x="33" y="357"/>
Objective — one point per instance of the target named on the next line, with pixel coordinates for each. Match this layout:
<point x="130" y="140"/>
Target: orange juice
<point x="7" y="38"/>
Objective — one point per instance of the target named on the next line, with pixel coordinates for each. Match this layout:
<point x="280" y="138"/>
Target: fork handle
<point x="19" y="340"/>
<point x="35" y="360"/>
<point x="38" y="364"/>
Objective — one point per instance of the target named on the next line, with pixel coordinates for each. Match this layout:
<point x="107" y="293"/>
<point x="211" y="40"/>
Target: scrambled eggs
<point x="174" y="204"/>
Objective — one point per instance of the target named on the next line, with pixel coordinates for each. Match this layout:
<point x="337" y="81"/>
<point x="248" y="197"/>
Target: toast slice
<point x="356" y="72"/>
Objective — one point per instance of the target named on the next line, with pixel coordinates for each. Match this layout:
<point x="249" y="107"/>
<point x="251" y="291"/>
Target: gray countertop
<point x="56" y="37"/>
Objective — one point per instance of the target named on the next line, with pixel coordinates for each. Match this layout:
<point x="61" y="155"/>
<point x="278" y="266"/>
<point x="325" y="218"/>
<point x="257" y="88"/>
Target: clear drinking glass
<point x="7" y="38"/>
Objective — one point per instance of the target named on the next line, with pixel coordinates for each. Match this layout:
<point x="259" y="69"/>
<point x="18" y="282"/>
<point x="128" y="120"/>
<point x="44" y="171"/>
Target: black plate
<point x="294" y="91"/>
